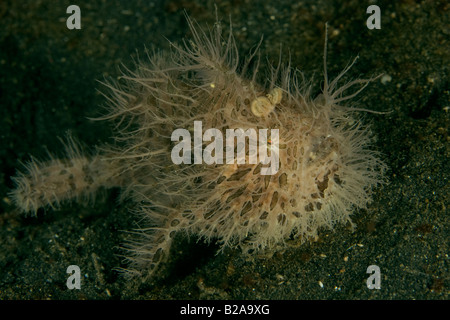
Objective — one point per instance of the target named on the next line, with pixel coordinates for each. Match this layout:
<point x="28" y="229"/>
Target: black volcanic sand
<point x="48" y="85"/>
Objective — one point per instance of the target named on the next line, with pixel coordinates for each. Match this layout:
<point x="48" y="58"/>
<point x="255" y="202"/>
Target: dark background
<point x="48" y="85"/>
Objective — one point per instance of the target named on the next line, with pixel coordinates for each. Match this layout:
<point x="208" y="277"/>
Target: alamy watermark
<point x="262" y="148"/>
<point x="74" y="280"/>
<point x="374" y="280"/>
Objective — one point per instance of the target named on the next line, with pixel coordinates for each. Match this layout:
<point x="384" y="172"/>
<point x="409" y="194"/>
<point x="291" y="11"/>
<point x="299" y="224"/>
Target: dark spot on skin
<point x="72" y="185"/>
<point x="239" y="174"/>
<point x="322" y="185"/>
<point x="238" y="193"/>
<point x="247" y="207"/>
<point x="221" y="179"/>
<point x="264" y="215"/>
<point x="337" y="179"/>
<point x="209" y="214"/>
